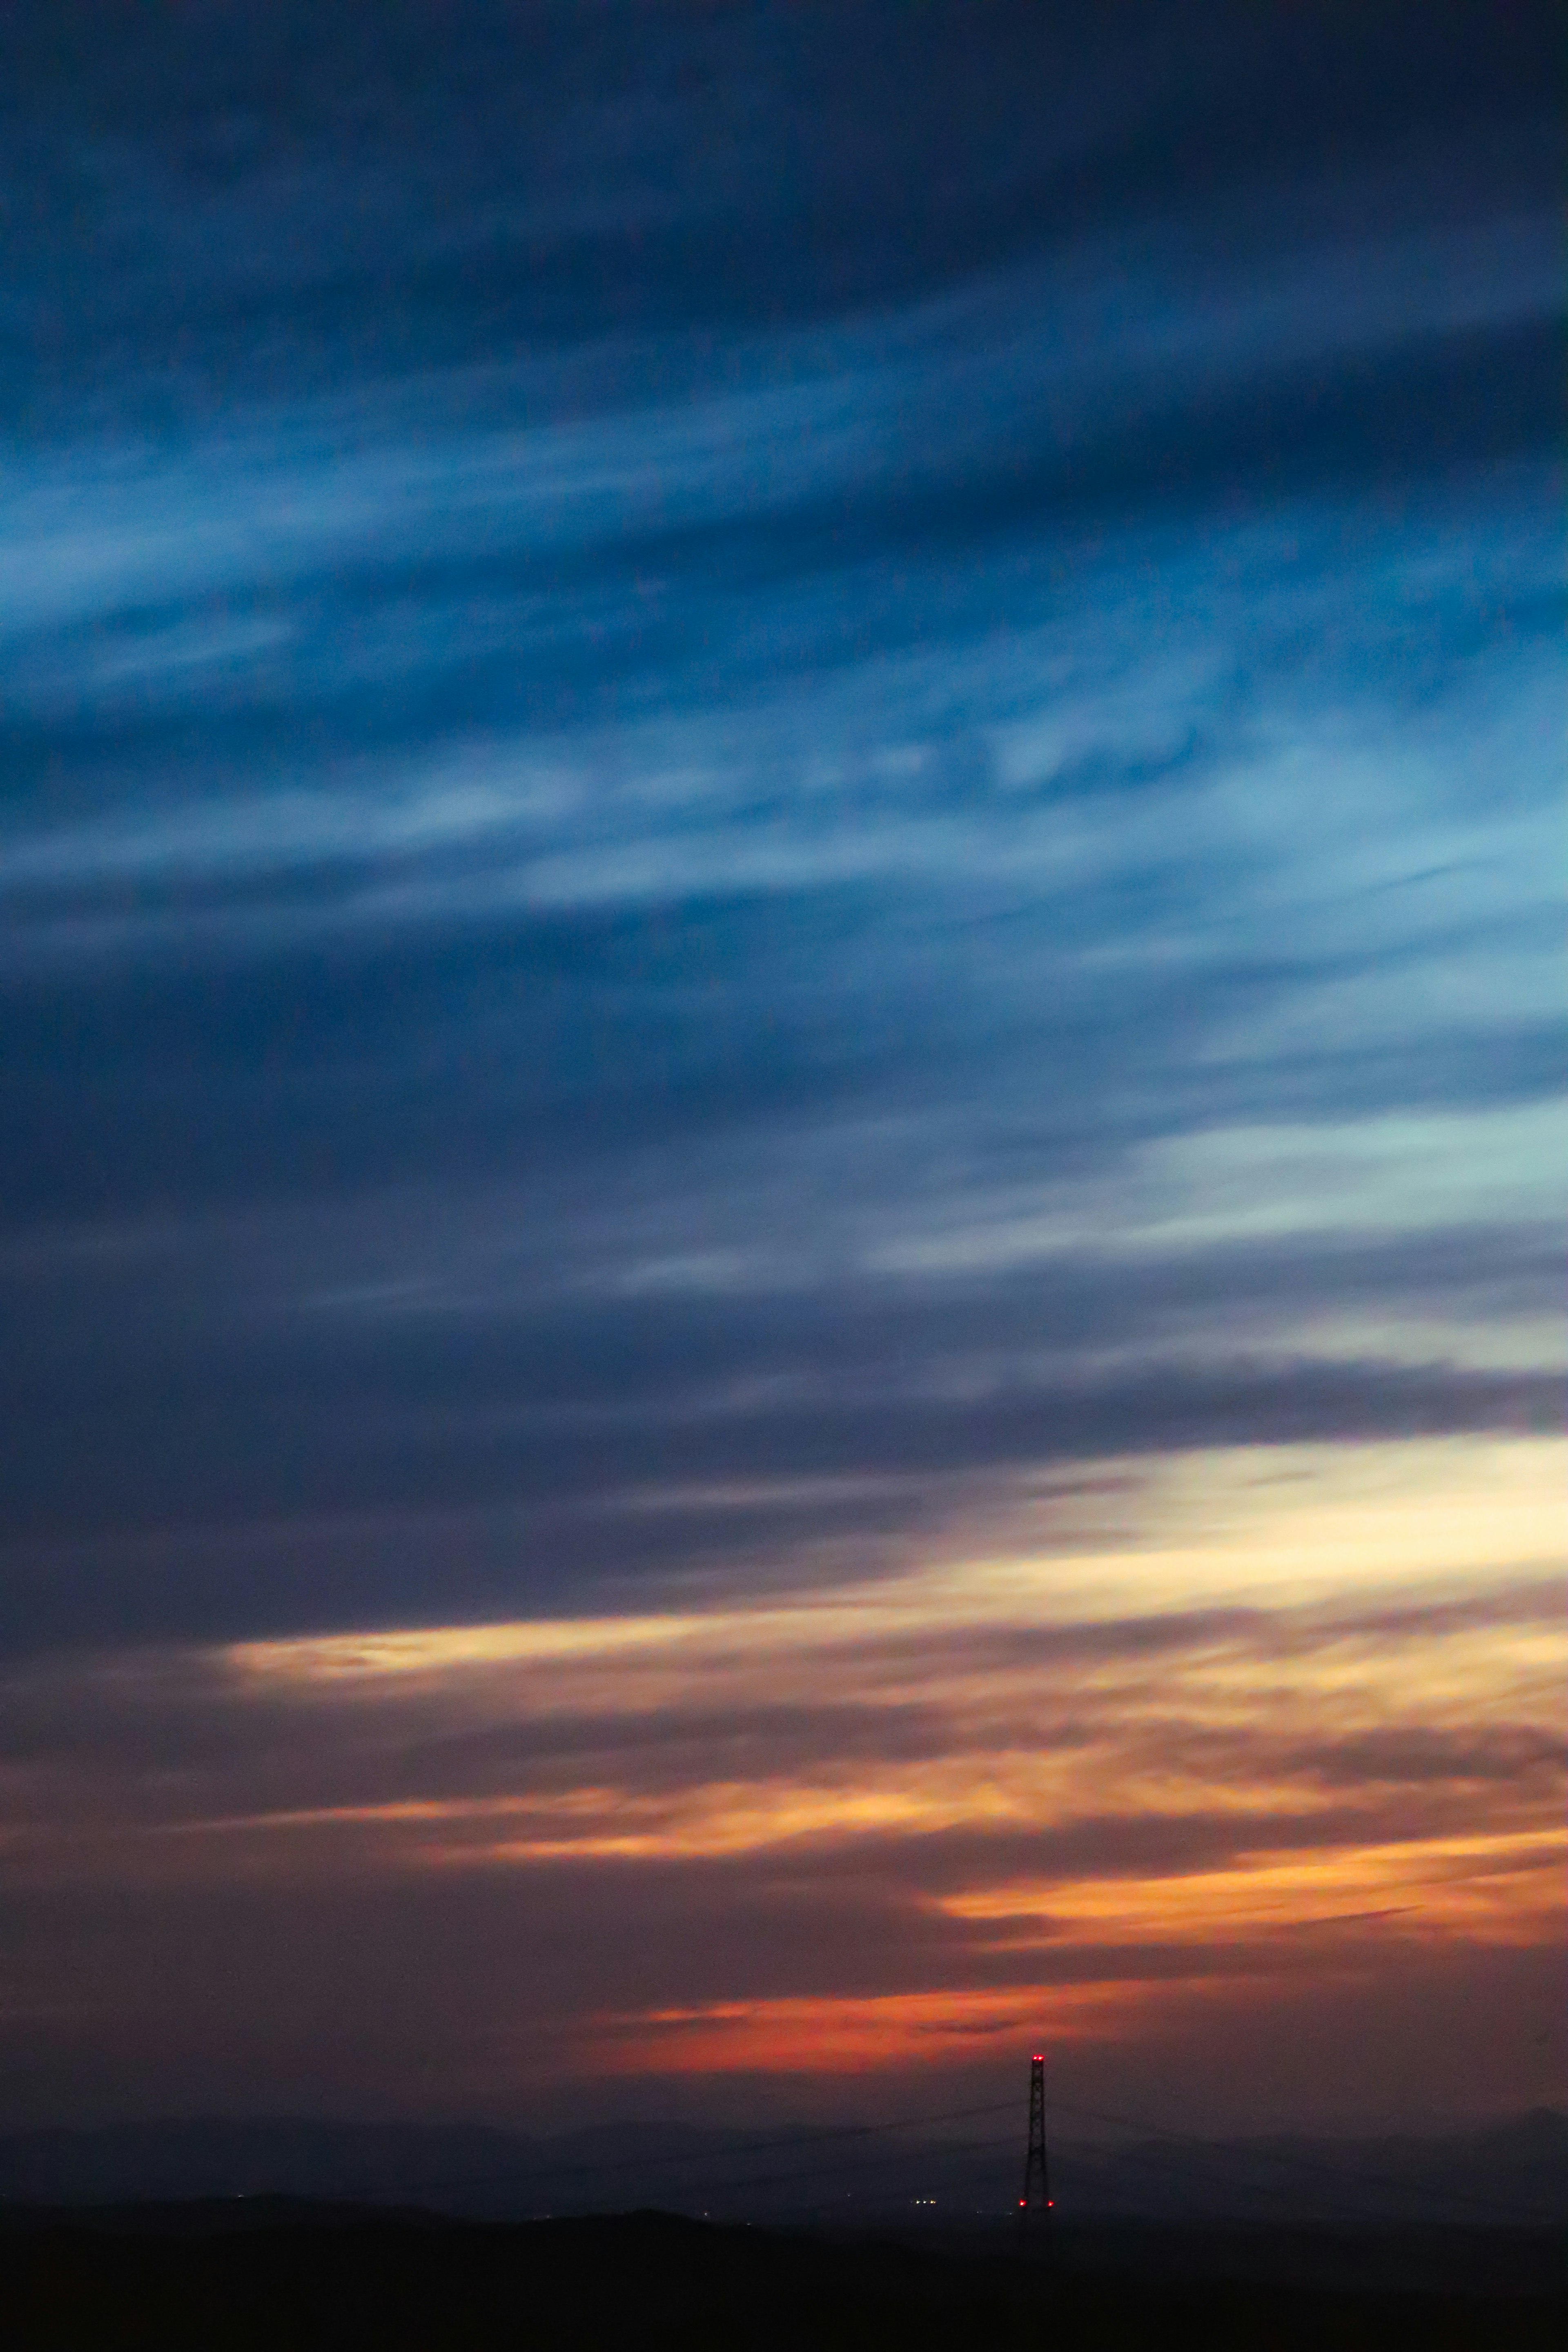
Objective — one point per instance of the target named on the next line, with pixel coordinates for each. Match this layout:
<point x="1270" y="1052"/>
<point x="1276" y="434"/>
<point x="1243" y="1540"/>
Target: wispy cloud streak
<point x="780" y="815"/>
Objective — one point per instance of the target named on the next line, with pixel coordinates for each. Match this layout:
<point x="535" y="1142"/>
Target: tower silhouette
<point x="1034" y="2204"/>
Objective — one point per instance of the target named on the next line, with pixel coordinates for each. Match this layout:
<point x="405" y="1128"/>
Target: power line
<point x="852" y="2163"/>
<point x="522" y="2172"/>
<point x="1214" y="2156"/>
<point x="715" y="2165"/>
<point x="1158" y="2162"/>
<point x="1293" y="2159"/>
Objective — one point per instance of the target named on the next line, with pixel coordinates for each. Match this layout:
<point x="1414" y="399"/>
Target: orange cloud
<point x="1086" y="1768"/>
<point x="831" y="2035"/>
<point x="1504" y="1889"/>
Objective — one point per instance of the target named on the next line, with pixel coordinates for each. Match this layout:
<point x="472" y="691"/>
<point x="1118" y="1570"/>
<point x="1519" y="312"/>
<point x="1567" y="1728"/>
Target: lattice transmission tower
<point x="1034" y="2204"/>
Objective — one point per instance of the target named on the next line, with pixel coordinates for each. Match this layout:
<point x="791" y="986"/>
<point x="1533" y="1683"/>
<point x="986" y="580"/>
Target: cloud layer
<point x="1127" y="1796"/>
<point x="780" y="805"/>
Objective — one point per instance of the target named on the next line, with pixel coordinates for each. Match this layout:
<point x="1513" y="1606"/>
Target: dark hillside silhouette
<point x="258" y="2275"/>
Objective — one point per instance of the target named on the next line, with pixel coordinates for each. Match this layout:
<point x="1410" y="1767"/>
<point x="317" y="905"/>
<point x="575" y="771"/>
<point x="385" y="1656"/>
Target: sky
<point x="780" y="1156"/>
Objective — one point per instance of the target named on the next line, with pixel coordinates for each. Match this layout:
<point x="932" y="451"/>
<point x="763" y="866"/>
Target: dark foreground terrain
<point x="263" y="2273"/>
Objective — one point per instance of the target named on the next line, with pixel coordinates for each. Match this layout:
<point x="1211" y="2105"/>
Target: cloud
<point x="862" y="1829"/>
<point x="971" y="1697"/>
<point x="783" y="1029"/>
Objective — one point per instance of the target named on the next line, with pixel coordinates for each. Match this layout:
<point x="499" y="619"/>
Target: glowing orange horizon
<point x="1090" y="1787"/>
<point x="831" y="2034"/>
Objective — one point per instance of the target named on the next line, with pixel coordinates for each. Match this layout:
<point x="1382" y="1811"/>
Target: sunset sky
<point x="782" y="1149"/>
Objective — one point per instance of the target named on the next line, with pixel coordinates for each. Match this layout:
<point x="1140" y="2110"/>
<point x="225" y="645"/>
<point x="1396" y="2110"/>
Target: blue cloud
<point x="649" y="747"/>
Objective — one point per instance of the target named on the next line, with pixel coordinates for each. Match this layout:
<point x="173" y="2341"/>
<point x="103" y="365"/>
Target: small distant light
<point x="1050" y="2200"/>
<point x="1037" y="2058"/>
<point x="1021" y="2201"/>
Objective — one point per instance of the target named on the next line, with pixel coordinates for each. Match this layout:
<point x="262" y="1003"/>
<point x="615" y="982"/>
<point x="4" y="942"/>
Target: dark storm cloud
<point x="670" y="669"/>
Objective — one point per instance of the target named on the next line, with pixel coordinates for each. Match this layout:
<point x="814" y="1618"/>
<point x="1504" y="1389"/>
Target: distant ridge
<point x="1512" y="2171"/>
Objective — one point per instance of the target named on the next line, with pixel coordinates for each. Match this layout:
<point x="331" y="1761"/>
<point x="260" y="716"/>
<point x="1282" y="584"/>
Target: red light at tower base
<point x="1037" y="2199"/>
